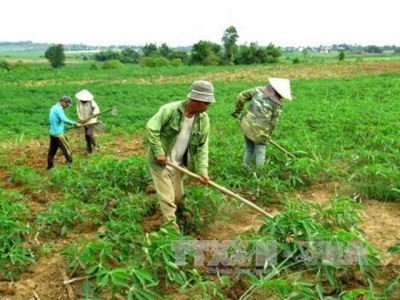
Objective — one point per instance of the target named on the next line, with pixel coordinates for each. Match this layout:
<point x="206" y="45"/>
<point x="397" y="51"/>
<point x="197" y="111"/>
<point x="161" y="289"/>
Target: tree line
<point x="201" y="53"/>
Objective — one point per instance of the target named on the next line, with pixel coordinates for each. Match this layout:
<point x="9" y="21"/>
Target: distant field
<point x="286" y="58"/>
<point x="21" y="54"/>
<point x="333" y="56"/>
<point x="26" y="56"/>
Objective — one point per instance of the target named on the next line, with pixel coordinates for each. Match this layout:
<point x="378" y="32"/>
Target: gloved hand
<point x="235" y="114"/>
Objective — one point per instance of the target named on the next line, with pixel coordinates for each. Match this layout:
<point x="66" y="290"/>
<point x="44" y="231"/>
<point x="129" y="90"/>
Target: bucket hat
<point x="67" y="100"/>
<point x="84" y="95"/>
<point x="282" y="87"/>
<point x="202" y="91"/>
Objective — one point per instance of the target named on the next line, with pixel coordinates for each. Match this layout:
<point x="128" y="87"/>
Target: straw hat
<point x="84" y="95"/>
<point x="202" y="91"/>
<point x="282" y="87"/>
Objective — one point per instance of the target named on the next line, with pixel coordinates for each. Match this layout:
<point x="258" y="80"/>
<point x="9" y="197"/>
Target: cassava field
<point x="95" y="231"/>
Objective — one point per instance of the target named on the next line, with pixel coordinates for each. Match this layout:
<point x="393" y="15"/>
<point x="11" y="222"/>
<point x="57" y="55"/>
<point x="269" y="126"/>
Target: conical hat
<point x="282" y="87"/>
<point x="84" y="95"/>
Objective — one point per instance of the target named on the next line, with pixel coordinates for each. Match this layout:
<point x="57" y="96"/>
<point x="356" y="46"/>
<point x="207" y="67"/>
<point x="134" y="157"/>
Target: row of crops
<point x="340" y="130"/>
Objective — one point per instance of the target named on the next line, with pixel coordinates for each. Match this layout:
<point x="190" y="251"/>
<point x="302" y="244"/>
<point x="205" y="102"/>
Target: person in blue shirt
<point x="58" y="140"/>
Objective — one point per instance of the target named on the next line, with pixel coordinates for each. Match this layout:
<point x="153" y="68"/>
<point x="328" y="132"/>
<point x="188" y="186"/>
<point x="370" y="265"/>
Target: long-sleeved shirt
<point x="57" y="119"/>
<point x="261" y="117"/>
<point x="86" y="109"/>
<point x="162" y="131"/>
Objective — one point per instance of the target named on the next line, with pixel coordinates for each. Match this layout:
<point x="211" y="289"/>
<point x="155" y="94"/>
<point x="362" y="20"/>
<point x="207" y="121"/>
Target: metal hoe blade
<point x="100" y="127"/>
<point x="114" y="111"/>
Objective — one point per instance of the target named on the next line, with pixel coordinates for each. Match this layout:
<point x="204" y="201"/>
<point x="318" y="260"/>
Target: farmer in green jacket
<point x="259" y="120"/>
<point x="179" y="133"/>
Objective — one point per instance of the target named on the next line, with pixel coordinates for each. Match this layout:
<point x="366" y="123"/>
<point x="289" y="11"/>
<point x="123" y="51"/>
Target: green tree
<point x="55" y="55"/>
<point x="165" y="51"/>
<point x="128" y="55"/>
<point x="272" y="53"/>
<point x="254" y="54"/>
<point x="107" y="55"/>
<point x="246" y="54"/>
<point x="181" y="55"/>
<point x="206" y="53"/>
<point x="229" y="41"/>
<point x="150" y="50"/>
<point x="373" y="49"/>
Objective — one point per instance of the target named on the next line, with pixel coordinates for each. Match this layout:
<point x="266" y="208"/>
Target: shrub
<point x="296" y="60"/>
<point x="4" y="65"/>
<point x="211" y="60"/>
<point x="153" y="62"/>
<point x="177" y="62"/>
<point x="112" y="64"/>
<point x="94" y="66"/>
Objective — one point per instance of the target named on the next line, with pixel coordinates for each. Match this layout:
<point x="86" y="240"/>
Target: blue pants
<point x="253" y="149"/>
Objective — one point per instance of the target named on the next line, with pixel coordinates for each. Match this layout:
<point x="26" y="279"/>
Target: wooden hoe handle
<point x="222" y="189"/>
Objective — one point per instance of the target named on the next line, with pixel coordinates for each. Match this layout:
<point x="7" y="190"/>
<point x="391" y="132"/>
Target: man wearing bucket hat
<point x="57" y="118"/>
<point x="259" y="120"/>
<point x="87" y="109"/>
<point x="179" y="133"/>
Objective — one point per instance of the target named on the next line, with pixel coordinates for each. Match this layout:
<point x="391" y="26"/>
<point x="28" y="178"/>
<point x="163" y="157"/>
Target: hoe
<point x="222" y="189"/>
<point x="114" y="112"/>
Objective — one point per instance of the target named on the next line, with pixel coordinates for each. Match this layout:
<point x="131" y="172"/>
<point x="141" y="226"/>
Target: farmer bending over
<point x="179" y="133"/>
<point x="259" y="120"/>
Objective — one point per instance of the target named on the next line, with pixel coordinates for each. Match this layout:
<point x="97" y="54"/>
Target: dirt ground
<point x="44" y="279"/>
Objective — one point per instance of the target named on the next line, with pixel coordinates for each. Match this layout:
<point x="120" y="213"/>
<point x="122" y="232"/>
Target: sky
<point x="186" y="22"/>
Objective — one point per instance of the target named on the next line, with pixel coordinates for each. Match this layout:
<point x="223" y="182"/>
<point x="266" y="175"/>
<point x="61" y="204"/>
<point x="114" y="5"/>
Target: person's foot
<point x="183" y="212"/>
<point x="246" y="167"/>
<point x="176" y="227"/>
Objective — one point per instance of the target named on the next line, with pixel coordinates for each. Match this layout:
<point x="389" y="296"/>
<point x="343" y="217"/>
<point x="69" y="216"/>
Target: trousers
<point x="170" y="192"/>
<point x="253" y="149"/>
<point x="89" y="137"/>
<point x="58" y="142"/>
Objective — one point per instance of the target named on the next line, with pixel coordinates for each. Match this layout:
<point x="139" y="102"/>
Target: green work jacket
<point x="261" y="117"/>
<point x="162" y="131"/>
